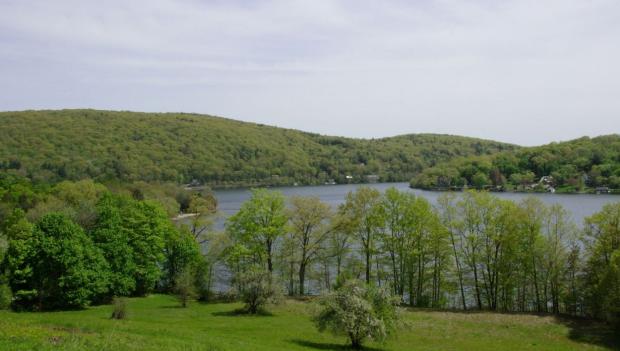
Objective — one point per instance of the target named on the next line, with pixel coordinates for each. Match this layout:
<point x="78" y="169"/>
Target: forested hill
<point x="584" y="164"/>
<point x="129" y="146"/>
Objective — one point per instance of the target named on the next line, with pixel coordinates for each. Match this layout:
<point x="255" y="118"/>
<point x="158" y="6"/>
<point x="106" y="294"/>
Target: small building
<point x="546" y="180"/>
<point x="602" y="190"/>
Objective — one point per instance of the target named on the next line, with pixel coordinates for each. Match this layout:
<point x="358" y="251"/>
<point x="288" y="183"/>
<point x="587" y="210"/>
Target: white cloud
<point x="521" y="71"/>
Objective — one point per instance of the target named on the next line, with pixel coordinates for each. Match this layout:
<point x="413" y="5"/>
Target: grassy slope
<point x="157" y="323"/>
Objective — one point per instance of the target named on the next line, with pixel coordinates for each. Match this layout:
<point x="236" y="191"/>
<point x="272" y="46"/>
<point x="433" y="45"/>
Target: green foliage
<point x="114" y="241"/>
<point x="256" y="288"/>
<point x="6" y="296"/>
<point x="573" y="166"/>
<point x="51" y="146"/>
<point x="261" y="220"/>
<point x="55" y="266"/>
<point x="147" y="227"/>
<point x="184" y="285"/>
<point x="309" y="229"/>
<point x="153" y="325"/>
<point x="361" y="218"/>
<point x="119" y="308"/>
<point x="182" y="253"/>
<point x="204" y="278"/>
<point x="603" y="265"/>
<point x="359" y="312"/>
<point x="138" y="241"/>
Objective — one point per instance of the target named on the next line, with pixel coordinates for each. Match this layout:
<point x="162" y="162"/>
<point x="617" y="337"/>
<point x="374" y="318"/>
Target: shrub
<point x="184" y="287"/>
<point x="359" y="312"/>
<point x="120" y="308"/>
<point x="6" y="297"/>
<point x="203" y="280"/>
<point x="257" y="288"/>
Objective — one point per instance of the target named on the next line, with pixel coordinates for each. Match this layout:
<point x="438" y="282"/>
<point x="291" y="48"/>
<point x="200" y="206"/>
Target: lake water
<point x="580" y="205"/>
<point x="230" y="200"/>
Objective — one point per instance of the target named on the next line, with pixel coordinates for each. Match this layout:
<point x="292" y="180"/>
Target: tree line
<point x="74" y="244"/>
<point x="579" y="165"/>
<point x="470" y="251"/>
<point x="52" y="146"/>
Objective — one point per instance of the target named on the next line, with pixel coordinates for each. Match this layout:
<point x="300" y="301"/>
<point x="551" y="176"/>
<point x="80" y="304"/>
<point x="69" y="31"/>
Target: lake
<point x="579" y="205"/>
<point x="230" y="200"/>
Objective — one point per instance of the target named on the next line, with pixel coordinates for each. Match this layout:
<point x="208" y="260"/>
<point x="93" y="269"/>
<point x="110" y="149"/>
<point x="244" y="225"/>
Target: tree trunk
<point x="269" y="260"/>
<point x="368" y="265"/>
<point x="477" y="286"/>
<point x="458" y="271"/>
<point x="537" y="292"/>
<point x="302" y="277"/>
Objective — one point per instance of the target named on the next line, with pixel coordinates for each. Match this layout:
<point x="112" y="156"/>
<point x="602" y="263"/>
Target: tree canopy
<point x="577" y="165"/>
<point x="51" y="146"/>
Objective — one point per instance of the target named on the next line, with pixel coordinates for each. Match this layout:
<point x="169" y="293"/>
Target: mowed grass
<point x="157" y="323"/>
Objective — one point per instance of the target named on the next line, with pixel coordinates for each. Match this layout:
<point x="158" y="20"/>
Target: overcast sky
<point x="527" y="72"/>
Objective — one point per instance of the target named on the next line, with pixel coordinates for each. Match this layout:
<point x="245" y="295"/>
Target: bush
<point x="203" y="280"/>
<point x="256" y="288"/>
<point x="184" y="287"/>
<point x="359" y="312"/>
<point x="6" y="297"/>
<point x="120" y="308"/>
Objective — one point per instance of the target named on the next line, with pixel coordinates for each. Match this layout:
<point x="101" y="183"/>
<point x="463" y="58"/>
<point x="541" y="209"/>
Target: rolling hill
<point x="584" y="164"/>
<point x="54" y="145"/>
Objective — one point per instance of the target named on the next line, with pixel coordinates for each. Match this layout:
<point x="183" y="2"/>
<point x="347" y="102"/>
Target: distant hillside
<point x="577" y="165"/>
<point x="129" y="146"/>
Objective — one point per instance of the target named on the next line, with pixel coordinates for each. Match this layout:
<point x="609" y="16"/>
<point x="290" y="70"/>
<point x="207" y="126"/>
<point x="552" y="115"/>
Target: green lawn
<point x="156" y="323"/>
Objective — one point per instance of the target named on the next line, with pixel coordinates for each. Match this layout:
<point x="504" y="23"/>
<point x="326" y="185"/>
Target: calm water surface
<point x="580" y="205"/>
<point x="230" y="200"/>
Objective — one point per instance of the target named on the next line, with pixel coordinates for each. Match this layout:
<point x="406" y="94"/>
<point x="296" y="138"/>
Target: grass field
<point x="156" y="323"/>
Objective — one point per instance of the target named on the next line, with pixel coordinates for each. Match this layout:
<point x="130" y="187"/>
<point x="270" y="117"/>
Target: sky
<point x="525" y="72"/>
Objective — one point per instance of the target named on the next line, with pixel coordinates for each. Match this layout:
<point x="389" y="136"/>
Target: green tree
<point x="147" y="225"/>
<point x="532" y="218"/>
<point x="602" y="242"/>
<point x="558" y="234"/>
<point x="257" y="288"/>
<point x="55" y="266"/>
<point x="480" y="180"/>
<point x="181" y="252"/>
<point x="309" y="219"/>
<point x="203" y="210"/>
<point x="396" y="236"/>
<point x="185" y="285"/>
<point x="359" y="312"/>
<point x="261" y="220"/>
<point x="115" y="243"/>
<point x="362" y="218"/>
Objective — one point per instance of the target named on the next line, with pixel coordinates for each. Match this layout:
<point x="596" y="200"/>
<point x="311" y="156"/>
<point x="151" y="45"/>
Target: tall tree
<point x="115" y="244"/>
<point x="602" y="243"/>
<point x="533" y="214"/>
<point x="261" y="220"/>
<point x="395" y="238"/>
<point x="472" y="207"/>
<point x="203" y="209"/>
<point x="309" y="219"/>
<point x="147" y="225"/>
<point x="362" y="215"/>
<point x="558" y="234"/>
<point x="449" y="219"/>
